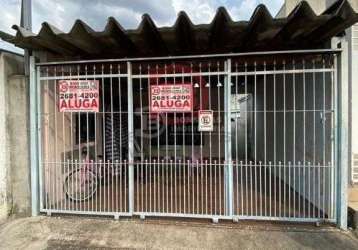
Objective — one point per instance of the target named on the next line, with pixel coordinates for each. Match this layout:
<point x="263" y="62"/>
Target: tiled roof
<point x="302" y="29"/>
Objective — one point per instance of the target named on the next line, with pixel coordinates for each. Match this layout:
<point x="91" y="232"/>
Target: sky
<point x="63" y="13"/>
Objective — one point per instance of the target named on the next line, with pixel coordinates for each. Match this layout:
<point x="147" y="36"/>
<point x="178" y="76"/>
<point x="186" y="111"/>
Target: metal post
<point x="342" y="145"/>
<point x="26" y="22"/>
<point x="39" y="137"/>
<point x="228" y="156"/>
<point x="130" y="139"/>
<point x="34" y="140"/>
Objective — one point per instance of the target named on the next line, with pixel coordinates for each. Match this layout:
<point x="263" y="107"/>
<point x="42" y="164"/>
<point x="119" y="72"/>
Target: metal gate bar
<point x="252" y="166"/>
<point x="258" y="173"/>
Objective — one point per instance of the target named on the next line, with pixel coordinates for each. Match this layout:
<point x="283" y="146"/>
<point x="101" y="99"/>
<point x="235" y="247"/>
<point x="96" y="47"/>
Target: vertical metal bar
<point x="210" y="133"/>
<point x="274" y="139"/>
<point x="304" y="138"/>
<point x="142" y="185"/>
<point x="78" y="127"/>
<point x="154" y="184"/>
<point x="100" y="167"/>
<point x="47" y="142"/>
<point x="255" y="135"/>
<point x="149" y="117"/>
<point x="289" y="188"/>
<point x="280" y="189"/>
<point x="126" y="166"/>
<point x="158" y="127"/>
<point x="146" y="186"/>
<point x="94" y="200"/>
<point x="26" y="22"/>
<point x="150" y="184"/>
<point x="309" y="170"/>
<point x="200" y="107"/>
<point x="180" y="187"/>
<point x="105" y="173"/>
<point x="197" y="187"/>
<point x="188" y="174"/>
<point x="34" y="140"/>
<point x="237" y="117"/>
<point x="77" y="167"/>
<point x="184" y="185"/>
<point x="319" y="206"/>
<point x="270" y="194"/>
<point x="57" y="161"/>
<point x="159" y="195"/>
<point x="63" y="147"/>
<point x="167" y="186"/>
<point x="183" y="125"/>
<point x="228" y="154"/>
<point x="163" y="187"/>
<point x="166" y="123"/>
<point x="117" y="172"/>
<point x="40" y="115"/>
<point x="211" y="186"/>
<point x="241" y="193"/>
<point x="333" y="136"/>
<point x="265" y="148"/>
<point x="130" y="139"/>
<point x="246" y="146"/>
<point x="342" y="141"/>
<point x="284" y="139"/>
<point x="215" y="187"/>
<point x="322" y="175"/>
<point x="219" y="85"/>
<point x="184" y="149"/>
<point x="294" y="137"/>
<point x="314" y="112"/>
<point x="206" y="186"/>
<point x="175" y="137"/>
<point x="141" y="115"/>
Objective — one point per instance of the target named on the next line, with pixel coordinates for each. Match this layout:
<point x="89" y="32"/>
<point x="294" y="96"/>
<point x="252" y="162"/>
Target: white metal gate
<point x="270" y="153"/>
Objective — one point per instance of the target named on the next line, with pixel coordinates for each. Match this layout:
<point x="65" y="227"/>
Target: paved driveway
<point x="91" y="233"/>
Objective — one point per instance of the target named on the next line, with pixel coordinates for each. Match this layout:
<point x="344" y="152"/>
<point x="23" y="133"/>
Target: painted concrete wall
<point x="14" y="157"/>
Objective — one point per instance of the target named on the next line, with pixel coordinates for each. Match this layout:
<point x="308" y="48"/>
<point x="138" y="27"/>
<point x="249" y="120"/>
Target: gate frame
<point x="340" y="127"/>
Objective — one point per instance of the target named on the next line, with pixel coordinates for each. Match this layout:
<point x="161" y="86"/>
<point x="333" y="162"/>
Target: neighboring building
<point x="14" y="134"/>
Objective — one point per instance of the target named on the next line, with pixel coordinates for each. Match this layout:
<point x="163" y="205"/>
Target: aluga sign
<point x="77" y="96"/>
<point x="171" y="98"/>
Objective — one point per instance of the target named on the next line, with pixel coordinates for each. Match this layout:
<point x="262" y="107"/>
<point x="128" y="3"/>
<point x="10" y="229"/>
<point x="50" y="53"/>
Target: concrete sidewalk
<point x="90" y="233"/>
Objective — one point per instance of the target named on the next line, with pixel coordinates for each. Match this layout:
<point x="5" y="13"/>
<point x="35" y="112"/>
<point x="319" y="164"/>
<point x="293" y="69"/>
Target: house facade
<point x="232" y="120"/>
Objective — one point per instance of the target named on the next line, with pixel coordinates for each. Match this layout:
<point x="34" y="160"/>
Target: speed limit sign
<point x="206" y="121"/>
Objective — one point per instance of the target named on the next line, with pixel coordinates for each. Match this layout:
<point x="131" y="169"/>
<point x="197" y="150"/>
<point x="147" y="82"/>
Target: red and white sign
<point x="78" y="96"/>
<point x="206" y="121"/>
<point x="171" y="98"/>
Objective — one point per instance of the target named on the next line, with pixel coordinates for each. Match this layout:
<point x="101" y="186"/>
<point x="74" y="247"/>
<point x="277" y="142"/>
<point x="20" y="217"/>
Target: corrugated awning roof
<point x="302" y="29"/>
